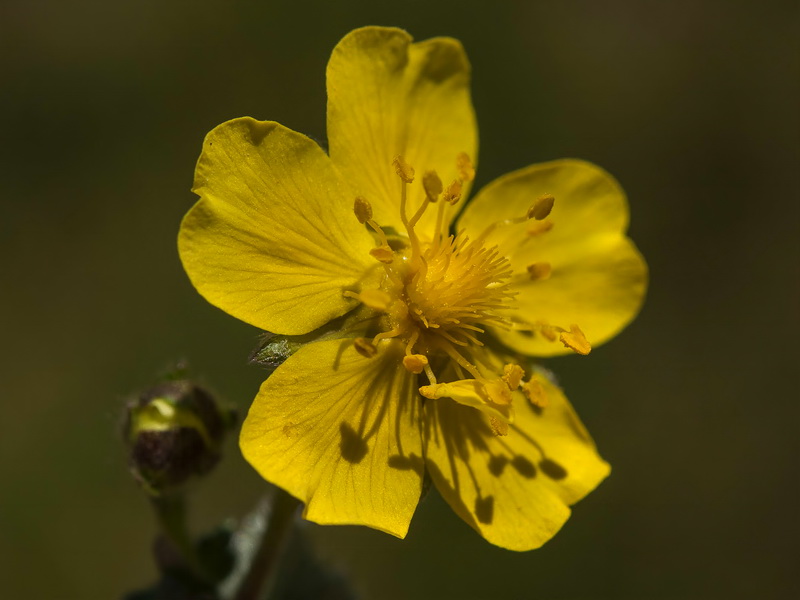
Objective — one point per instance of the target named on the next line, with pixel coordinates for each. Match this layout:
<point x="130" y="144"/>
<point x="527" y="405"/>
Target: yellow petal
<point x="388" y="97"/>
<point x="514" y="490"/>
<point x="597" y="277"/>
<point x="273" y="239"/>
<point x="341" y="432"/>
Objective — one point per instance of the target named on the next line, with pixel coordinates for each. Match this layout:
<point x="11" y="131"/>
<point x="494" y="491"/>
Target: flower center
<point x="439" y="293"/>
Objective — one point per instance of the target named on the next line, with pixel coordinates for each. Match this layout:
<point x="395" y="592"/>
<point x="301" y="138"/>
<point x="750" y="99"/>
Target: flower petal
<point x="584" y="269"/>
<point x="514" y="490"/>
<point x="273" y="240"/>
<point x="389" y="97"/>
<point x="341" y="433"/>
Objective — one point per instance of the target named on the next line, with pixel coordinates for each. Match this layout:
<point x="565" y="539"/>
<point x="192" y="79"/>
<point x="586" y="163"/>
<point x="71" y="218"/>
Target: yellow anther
<point x="433" y="391"/>
<point x="539" y="227"/>
<point x="383" y="253"/>
<point x="539" y="270"/>
<point x="541" y="208"/>
<point x="535" y="392"/>
<point x="363" y="209"/>
<point x="575" y="340"/>
<point x="432" y="185"/>
<point x="499" y="428"/>
<point x="466" y="170"/>
<point x="375" y="299"/>
<point x="512" y="375"/>
<point x="452" y="193"/>
<point x="548" y="331"/>
<point x="498" y="391"/>
<point x="364" y="347"/>
<point x="404" y="170"/>
<point x="415" y="363"/>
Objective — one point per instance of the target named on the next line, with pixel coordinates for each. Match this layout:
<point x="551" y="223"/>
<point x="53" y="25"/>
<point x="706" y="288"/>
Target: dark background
<point x="692" y="105"/>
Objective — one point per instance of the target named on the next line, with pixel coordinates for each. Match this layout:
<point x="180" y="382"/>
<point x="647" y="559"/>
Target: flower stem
<point x="170" y="510"/>
<point x="266" y="557"/>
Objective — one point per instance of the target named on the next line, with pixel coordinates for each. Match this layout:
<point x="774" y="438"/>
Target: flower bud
<point x="174" y="431"/>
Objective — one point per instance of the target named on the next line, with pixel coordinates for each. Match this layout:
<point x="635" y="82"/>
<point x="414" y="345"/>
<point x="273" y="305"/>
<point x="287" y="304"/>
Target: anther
<point x="364" y="347"/>
<point x="363" y="210"/>
<point x="452" y="193"/>
<point x="415" y="363"/>
<point x="432" y="185"/>
<point x="532" y="213"/>
<point x="499" y="428"/>
<point x="548" y="331"/>
<point x="498" y="391"/>
<point x="466" y="170"/>
<point x="512" y="375"/>
<point x="382" y="253"/>
<point x="374" y="299"/>
<point x="541" y="208"/>
<point x="539" y="271"/>
<point x="575" y="340"/>
<point x="539" y="227"/>
<point x="404" y="170"/>
<point x="535" y="393"/>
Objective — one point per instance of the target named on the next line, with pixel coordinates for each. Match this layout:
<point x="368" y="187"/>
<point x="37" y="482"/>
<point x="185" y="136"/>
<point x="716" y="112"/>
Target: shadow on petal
<point x="352" y="446"/>
<point x="552" y="469"/>
<point x="524" y="467"/>
<point x="411" y="462"/>
<point x="496" y="464"/>
<point x="484" y="509"/>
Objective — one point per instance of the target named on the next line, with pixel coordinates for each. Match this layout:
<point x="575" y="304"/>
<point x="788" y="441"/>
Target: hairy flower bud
<point x="174" y="431"/>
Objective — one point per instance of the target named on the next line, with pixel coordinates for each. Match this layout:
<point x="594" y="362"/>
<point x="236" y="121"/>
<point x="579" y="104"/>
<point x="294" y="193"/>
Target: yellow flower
<point x="424" y="367"/>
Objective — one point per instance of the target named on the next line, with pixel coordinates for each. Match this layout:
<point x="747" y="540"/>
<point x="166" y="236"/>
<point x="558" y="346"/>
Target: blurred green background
<point x="692" y="105"/>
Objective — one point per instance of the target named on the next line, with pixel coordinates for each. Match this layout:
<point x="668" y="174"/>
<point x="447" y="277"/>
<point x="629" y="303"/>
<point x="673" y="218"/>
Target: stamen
<point x="490" y="396"/>
<point x="363" y="210"/>
<point x="535" y="392"/>
<point x="374" y="299"/>
<point x="452" y="193"/>
<point x="430" y="375"/>
<point x="420" y="211"/>
<point x="498" y="391"/>
<point x="364" y="347"/>
<point x="542" y="207"/>
<point x="499" y="428"/>
<point x="385" y="335"/>
<point x="440" y="231"/>
<point x="530" y="214"/>
<point x="471" y="338"/>
<point x="460" y="360"/>
<point x="539" y="271"/>
<point x="432" y="185"/>
<point x="548" y="331"/>
<point x="512" y="375"/>
<point x="406" y="174"/>
<point x="575" y="340"/>
<point x="415" y="363"/>
<point x="412" y="340"/>
<point x="450" y="338"/>
<point x="466" y="170"/>
<point x="383" y="253"/>
<point x="404" y="170"/>
<point x="539" y="227"/>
